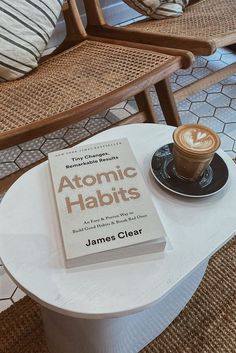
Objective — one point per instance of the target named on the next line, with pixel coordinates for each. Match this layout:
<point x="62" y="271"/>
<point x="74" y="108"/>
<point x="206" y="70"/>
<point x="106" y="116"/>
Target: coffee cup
<point x="193" y="150"/>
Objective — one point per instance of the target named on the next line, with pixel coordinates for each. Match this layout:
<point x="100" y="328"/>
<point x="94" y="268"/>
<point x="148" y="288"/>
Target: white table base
<point x="122" y="334"/>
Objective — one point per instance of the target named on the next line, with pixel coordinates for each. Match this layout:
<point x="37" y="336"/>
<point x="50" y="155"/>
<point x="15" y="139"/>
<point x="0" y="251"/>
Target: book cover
<point x="104" y="206"/>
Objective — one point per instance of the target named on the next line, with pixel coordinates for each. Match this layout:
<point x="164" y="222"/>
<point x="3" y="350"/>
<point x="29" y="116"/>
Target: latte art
<point x="197" y="139"/>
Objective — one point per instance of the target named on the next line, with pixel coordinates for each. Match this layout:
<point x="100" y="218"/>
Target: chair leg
<point x="144" y="104"/>
<point x="167" y="102"/>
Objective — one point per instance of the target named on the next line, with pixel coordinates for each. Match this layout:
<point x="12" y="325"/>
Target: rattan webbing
<point x="207" y="19"/>
<point x="79" y="75"/>
<point x="206" y="325"/>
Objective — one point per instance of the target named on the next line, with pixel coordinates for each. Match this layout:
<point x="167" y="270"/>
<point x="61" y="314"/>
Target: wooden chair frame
<point x="75" y="31"/>
<point x="97" y="25"/>
<point x="75" y="35"/>
<point x="158" y="77"/>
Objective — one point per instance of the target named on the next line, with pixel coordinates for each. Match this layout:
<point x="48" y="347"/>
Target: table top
<point x="31" y="253"/>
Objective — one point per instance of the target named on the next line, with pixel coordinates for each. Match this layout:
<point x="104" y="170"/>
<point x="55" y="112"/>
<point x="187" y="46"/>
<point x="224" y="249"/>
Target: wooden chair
<point x="204" y="26"/>
<point x="91" y="76"/>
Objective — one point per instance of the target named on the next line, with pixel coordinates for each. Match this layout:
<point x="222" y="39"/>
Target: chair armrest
<point x="97" y="26"/>
<point x="157" y="39"/>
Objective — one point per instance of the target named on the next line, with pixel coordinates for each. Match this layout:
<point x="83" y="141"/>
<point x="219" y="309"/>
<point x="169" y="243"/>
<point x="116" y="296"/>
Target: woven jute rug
<point x="206" y="325"/>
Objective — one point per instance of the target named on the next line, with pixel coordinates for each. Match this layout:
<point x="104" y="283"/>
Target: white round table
<point x="120" y="306"/>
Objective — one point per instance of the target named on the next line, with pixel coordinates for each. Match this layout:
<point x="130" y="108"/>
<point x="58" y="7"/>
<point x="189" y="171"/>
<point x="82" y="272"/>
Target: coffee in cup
<point x="193" y="150"/>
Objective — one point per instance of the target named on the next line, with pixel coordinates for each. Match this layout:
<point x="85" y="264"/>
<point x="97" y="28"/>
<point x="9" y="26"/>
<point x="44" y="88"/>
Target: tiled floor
<point x="214" y="107"/>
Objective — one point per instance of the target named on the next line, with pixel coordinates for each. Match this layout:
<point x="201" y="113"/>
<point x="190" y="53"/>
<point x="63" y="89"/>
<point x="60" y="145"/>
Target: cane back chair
<point x="204" y="26"/>
<point x="85" y="76"/>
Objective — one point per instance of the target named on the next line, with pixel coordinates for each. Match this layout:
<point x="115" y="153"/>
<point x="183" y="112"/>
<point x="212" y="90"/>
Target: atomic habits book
<point x="104" y="206"/>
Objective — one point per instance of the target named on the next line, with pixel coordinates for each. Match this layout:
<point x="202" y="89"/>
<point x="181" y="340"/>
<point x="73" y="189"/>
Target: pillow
<point x="158" y="9"/>
<point x="25" y="29"/>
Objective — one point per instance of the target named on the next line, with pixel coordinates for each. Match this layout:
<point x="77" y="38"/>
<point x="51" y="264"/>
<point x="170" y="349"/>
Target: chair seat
<point x="78" y="76"/>
<point x="205" y="20"/>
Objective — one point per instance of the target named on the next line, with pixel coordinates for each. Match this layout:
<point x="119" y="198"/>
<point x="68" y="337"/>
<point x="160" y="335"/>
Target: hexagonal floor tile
<point x="131" y="107"/>
<point x="183" y="105"/>
<point x="227" y="115"/>
<point x="202" y="109"/>
<point x="227" y="143"/>
<point x="75" y="135"/>
<point x="200" y="62"/>
<point x="173" y="77"/>
<point x="198" y="97"/>
<point x="232" y="154"/>
<point x="230" y="130"/>
<point x="224" y="50"/>
<point x="175" y="86"/>
<point x="94" y="125"/>
<point x="216" y="65"/>
<point x="231" y="80"/>
<point x="233" y="103"/>
<point x="57" y="134"/>
<point x="5" y="304"/>
<point x="214" y="88"/>
<point x="9" y="154"/>
<point x="230" y="91"/>
<point x="154" y="98"/>
<point x="218" y="100"/>
<point x="187" y="117"/>
<point x="113" y="116"/>
<point x="228" y="58"/>
<point x="29" y="157"/>
<point x="201" y="72"/>
<point x="212" y="123"/>
<point x="159" y="113"/>
<point x="19" y="294"/>
<point x="7" y="169"/>
<point x="183" y="72"/>
<point x="33" y="144"/>
<point x="185" y="80"/>
<point x="7" y="286"/>
<point x="82" y="123"/>
<point x="53" y="145"/>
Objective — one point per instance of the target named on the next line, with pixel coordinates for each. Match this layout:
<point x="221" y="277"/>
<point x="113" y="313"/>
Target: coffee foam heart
<point x="196" y="138"/>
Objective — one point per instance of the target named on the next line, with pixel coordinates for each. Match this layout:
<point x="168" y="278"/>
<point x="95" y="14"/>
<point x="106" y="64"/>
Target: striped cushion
<point x="25" y="29"/>
<point x="158" y="9"/>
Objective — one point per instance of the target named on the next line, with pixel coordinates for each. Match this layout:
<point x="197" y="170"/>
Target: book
<point x="104" y="207"/>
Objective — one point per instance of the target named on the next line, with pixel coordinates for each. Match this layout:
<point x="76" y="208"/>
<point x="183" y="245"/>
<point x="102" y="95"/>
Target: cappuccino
<point x="194" y="148"/>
